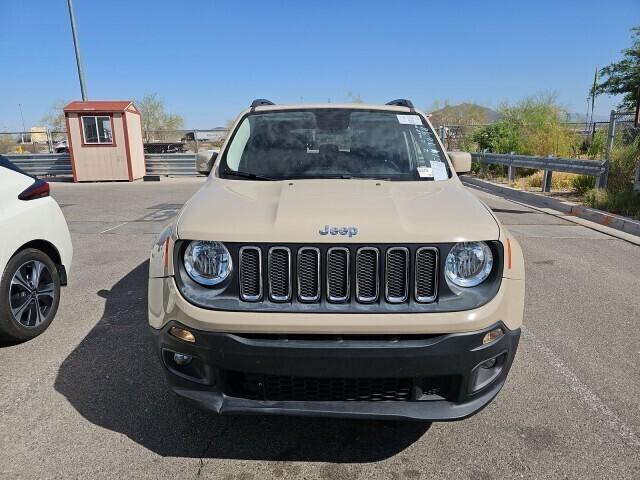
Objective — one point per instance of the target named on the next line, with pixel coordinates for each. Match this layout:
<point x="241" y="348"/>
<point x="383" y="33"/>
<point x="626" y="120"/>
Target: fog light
<point x="182" y="334"/>
<point x="182" y="358"/>
<point x="489" y="363"/>
<point x="492" y="336"/>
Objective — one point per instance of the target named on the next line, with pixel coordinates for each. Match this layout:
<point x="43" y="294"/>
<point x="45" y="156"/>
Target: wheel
<point x="29" y="295"/>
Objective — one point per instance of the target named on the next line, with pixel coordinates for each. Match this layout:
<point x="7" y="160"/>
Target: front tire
<point x="29" y="295"/>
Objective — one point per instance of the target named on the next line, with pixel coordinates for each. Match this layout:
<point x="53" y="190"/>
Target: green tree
<point x="499" y="137"/>
<point x="623" y="77"/>
<point x="533" y="126"/>
<point x="156" y="122"/>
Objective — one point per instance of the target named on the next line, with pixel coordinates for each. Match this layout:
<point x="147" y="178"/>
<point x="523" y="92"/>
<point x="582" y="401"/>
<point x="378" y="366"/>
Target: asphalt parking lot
<point x="87" y="399"/>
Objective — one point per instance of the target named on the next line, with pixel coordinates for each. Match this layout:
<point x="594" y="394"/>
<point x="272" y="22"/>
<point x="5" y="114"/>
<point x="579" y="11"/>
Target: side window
<point x="97" y="130"/>
<point x="234" y="154"/>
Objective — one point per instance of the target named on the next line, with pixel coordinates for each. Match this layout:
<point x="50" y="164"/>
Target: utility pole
<point x="72" y="18"/>
<point x="22" y="119"/>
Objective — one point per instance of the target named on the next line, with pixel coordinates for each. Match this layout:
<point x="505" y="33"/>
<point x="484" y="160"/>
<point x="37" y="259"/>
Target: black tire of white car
<point x="10" y="328"/>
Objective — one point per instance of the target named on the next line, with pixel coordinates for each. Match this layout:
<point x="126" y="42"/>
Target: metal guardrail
<point x="43" y="164"/>
<point x="171" y="164"/>
<point x="53" y="164"/>
<point x="59" y="164"/>
<point x="596" y="168"/>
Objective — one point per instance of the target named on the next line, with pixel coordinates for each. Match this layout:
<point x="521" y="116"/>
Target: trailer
<point x="164" y="147"/>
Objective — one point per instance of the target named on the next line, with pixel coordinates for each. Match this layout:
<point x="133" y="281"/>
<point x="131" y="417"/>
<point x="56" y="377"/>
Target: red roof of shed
<point x="98" y="106"/>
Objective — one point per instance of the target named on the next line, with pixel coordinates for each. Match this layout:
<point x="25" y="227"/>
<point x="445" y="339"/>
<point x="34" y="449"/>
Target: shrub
<point x="559" y="181"/>
<point x="532" y="181"/>
<point x="619" y="196"/>
<point x="581" y="184"/>
<point x="533" y="126"/>
<point x="498" y="137"/>
<point x="598" y="146"/>
<point x="622" y="166"/>
<point x="623" y="202"/>
<point x="489" y="170"/>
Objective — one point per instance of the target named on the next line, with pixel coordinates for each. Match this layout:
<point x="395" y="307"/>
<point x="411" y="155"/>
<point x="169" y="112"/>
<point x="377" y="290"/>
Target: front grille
<point x="279" y="274"/>
<point x="338" y="284"/>
<point x="367" y="274"/>
<point x="397" y="275"/>
<point x="250" y="274"/>
<point x="339" y="275"/>
<point x="426" y="279"/>
<point x="309" y="274"/>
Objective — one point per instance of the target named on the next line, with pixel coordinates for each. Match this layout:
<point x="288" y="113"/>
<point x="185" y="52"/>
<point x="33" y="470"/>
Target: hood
<point x="295" y="212"/>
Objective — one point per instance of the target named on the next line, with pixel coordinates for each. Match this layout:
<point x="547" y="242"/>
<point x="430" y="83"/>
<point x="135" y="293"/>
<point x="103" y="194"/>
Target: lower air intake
<point x="313" y="389"/>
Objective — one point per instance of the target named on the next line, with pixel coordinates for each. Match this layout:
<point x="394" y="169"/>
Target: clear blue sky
<point x="209" y="59"/>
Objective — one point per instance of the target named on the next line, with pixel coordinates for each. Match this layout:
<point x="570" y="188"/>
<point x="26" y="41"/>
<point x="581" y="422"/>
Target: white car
<point x="35" y="254"/>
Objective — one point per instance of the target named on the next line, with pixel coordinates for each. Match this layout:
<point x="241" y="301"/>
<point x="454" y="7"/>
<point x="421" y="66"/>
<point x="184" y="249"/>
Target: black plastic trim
<point x="62" y="273"/>
<point x="402" y="102"/>
<point x="453" y="356"/>
<point x="260" y="102"/>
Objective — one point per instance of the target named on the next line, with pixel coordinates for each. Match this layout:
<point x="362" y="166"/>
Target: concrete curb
<point x="605" y="219"/>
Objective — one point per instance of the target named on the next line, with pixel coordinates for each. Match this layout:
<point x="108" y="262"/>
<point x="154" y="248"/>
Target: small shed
<point x="105" y="140"/>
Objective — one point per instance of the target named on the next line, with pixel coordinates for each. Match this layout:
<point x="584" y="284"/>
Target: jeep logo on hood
<point x="331" y="230"/>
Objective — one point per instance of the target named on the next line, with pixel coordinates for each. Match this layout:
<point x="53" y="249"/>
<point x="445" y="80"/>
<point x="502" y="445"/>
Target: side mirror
<point x="205" y="161"/>
<point x="461" y="161"/>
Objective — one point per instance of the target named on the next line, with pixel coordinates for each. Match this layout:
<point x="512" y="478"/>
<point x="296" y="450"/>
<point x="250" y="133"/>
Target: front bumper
<point x="421" y="377"/>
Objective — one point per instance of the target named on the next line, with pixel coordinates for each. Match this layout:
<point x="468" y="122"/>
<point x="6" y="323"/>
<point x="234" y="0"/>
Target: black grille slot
<point x="285" y="388"/>
<point x="338" y="284"/>
<point x="250" y="274"/>
<point x="309" y="274"/>
<point x="426" y="274"/>
<point x="397" y="274"/>
<point x="367" y="274"/>
<point x="279" y="274"/>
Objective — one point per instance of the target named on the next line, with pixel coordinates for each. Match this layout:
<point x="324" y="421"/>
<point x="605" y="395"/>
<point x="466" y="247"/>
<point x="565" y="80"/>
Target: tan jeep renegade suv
<point x="333" y="264"/>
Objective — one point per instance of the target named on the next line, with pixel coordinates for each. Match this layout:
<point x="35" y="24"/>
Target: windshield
<point x="334" y="143"/>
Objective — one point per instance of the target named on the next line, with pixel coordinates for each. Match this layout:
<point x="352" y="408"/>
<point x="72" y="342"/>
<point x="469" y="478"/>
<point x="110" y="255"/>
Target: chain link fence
<point x="41" y="140"/>
<point x="37" y="140"/>
<point x="465" y="137"/>
<point x="623" y="147"/>
<point x="623" y="130"/>
<point x="183" y="141"/>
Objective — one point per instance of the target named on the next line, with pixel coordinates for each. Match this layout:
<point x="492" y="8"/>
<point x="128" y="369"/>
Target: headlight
<point x="207" y="263"/>
<point x="468" y="264"/>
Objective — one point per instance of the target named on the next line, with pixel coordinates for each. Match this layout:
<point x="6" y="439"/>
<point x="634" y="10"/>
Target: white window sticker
<point x="409" y="119"/>
<point x="425" y="172"/>
<point x="439" y="170"/>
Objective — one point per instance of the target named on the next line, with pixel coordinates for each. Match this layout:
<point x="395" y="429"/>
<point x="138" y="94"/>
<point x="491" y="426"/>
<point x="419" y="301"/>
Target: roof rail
<point x="259" y="102"/>
<point x="402" y="102"/>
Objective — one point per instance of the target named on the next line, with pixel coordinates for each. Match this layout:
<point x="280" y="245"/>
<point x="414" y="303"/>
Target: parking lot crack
<point x="203" y="455"/>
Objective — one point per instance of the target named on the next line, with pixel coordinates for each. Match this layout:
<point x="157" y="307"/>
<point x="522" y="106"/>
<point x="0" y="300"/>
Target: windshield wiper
<point x="341" y="177"/>
<point x="250" y="176"/>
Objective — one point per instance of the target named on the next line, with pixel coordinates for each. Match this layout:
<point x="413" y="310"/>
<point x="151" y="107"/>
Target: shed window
<point x="97" y="129"/>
